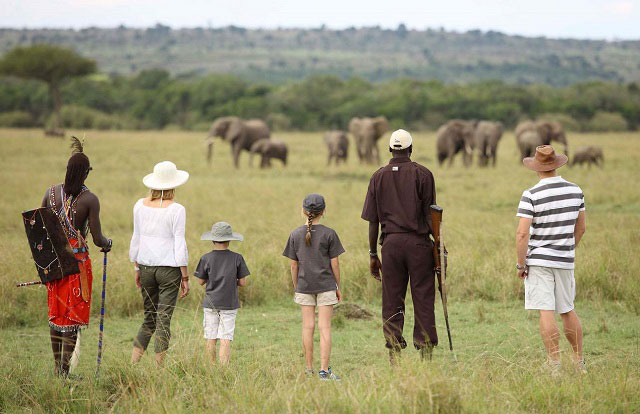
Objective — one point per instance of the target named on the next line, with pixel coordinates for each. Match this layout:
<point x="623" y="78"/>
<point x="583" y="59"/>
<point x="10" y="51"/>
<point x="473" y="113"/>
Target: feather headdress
<point x="77" y="146"/>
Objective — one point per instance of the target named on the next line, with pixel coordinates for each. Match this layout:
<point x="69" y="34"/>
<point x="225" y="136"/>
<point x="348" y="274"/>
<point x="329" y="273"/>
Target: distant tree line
<point x="153" y="99"/>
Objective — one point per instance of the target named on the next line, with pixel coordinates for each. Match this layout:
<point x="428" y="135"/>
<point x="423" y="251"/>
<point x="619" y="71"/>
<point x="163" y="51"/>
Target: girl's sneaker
<point x="309" y="372"/>
<point x="328" y="375"/>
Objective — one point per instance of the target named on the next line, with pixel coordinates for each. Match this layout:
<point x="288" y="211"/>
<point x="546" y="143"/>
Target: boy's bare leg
<point x="225" y="351"/>
<point x="308" y="326"/>
<point x="136" y="354"/>
<point x="324" y="325"/>
<point x="211" y="350"/>
<point x="160" y="358"/>
<point x="550" y="334"/>
<point x="573" y="332"/>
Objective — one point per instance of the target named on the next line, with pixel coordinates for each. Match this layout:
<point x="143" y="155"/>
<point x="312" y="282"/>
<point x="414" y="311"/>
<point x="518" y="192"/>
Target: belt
<point x="79" y="250"/>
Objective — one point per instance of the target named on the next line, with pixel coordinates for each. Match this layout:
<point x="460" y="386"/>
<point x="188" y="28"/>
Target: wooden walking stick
<point x="440" y="257"/>
<point x="104" y="284"/>
<point x="36" y="282"/>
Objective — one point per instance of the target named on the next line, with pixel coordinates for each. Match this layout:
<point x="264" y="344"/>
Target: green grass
<point x="498" y="368"/>
<point x="497" y="343"/>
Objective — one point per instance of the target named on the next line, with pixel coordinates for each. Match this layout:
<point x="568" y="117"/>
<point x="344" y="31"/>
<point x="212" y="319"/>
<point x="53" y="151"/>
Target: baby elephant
<point x="338" y="146"/>
<point x="269" y="148"/>
<point x="590" y="155"/>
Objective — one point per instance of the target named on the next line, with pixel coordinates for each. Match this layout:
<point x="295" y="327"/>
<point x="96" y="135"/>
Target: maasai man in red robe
<point x="69" y="298"/>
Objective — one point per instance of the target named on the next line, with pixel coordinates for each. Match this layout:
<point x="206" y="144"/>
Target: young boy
<point x="221" y="271"/>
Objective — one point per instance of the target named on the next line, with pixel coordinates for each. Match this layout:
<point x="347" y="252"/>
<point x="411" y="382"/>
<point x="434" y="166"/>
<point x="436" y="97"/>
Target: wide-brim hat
<point x="545" y="159"/>
<point x="165" y="176"/>
<point x="221" y="232"/>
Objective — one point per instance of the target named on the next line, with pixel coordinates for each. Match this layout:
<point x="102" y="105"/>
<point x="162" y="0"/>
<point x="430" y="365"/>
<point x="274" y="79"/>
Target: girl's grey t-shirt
<point x="314" y="273"/>
<point x="221" y="269"/>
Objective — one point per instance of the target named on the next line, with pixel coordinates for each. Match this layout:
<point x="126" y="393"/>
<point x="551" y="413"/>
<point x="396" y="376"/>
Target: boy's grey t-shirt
<point x="314" y="274"/>
<point x="221" y="269"/>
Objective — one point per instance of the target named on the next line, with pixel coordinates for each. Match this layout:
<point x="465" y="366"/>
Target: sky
<point x="586" y="19"/>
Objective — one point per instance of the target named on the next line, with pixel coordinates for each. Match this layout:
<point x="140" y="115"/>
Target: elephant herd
<point x="457" y="135"/>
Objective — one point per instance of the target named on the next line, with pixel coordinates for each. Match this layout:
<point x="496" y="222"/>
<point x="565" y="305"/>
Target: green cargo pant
<point x="160" y="286"/>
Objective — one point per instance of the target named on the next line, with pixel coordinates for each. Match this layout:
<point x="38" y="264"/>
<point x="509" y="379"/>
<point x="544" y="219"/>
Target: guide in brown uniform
<point x="397" y="204"/>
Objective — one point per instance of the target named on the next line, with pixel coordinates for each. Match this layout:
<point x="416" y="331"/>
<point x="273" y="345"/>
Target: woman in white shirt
<point x="159" y="253"/>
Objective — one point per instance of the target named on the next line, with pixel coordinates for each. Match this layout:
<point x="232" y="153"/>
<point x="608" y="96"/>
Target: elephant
<point x="268" y="149"/>
<point x="367" y="132"/>
<point x="242" y="134"/>
<point x="530" y="134"/>
<point x="590" y="155"/>
<point x="455" y="136"/>
<point x="486" y="137"/>
<point x="338" y="146"/>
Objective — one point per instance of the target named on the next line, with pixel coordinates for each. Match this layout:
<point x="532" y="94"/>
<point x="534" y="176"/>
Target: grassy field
<point x="499" y="351"/>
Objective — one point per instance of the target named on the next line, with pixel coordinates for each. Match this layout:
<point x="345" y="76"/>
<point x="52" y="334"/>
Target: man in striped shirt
<point x="552" y="222"/>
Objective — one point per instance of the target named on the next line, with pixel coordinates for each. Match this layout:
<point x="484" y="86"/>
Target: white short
<point x="219" y="324"/>
<point x="547" y="288"/>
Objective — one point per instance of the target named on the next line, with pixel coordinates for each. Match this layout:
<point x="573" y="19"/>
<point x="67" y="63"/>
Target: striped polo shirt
<point x="553" y="206"/>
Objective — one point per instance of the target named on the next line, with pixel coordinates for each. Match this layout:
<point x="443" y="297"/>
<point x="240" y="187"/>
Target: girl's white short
<point x="219" y="323"/>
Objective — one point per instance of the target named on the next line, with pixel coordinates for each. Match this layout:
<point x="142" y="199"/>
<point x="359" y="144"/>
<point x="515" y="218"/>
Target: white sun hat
<point x="165" y="176"/>
<point x="400" y="139"/>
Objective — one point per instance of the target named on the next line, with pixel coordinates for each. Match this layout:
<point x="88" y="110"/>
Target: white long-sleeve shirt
<point x="158" y="236"/>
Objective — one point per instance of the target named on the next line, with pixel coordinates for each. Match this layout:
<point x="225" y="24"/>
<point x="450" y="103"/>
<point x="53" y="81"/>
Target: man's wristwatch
<point x="373" y="254"/>
<point x="520" y="267"/>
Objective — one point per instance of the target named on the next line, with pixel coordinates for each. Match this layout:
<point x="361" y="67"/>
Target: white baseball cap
<point x="400" y="139"/>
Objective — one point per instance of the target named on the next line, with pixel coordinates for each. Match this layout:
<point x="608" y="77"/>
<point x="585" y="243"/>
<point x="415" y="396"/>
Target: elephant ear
<point x="354" y="125"/>
<point x="235" y="129"/>
<point x="382" y="125"/>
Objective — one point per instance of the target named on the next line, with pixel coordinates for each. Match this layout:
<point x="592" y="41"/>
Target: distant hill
<point x="372" y="53"/>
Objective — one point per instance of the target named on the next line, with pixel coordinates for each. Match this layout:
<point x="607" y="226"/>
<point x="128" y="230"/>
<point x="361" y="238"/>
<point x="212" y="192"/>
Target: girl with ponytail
<point x="315" y="271"/>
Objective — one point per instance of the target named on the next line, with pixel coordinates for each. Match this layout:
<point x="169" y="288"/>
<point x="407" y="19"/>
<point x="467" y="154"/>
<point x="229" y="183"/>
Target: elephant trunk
<point x="209" y="143"/>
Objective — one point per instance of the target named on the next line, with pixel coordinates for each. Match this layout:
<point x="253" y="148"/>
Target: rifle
<point x="440" y="258"/>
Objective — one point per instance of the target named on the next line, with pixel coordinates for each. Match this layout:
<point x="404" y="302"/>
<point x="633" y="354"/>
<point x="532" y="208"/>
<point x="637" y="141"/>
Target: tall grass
<point x="479" y="213"/>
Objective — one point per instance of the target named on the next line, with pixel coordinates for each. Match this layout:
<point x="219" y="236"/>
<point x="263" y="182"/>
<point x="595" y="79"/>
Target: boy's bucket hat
<point x="165" y="176"/>
<point x="545" y="159"/>
<point x="221" y="232"/>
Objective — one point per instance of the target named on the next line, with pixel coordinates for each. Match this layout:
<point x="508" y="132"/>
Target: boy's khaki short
<point x="316" y="299"/>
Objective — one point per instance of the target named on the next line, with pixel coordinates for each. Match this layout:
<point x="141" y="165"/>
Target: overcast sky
<point x="609" y="19"/>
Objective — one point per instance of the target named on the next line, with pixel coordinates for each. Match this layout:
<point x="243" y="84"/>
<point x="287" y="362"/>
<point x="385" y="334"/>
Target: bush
<point x="279" y="122"/>
<point x="607" y="121"/>
<point x="568" y="122"/>
<point x="17" y="119"/>
<point x="75" y="116"/>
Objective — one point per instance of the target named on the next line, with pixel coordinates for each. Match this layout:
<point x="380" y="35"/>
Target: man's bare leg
<point x="225" y="351"/>
<point x="550" y="335"/>
<point x="308" y="326"/>
<point x="573" y="332"/>
<point x="56" y="347"/>
<point x="68" y="345"/>
<point x="211" y="350"/>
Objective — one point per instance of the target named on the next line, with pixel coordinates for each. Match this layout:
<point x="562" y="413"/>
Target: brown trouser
<point x="408" y="258"/>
